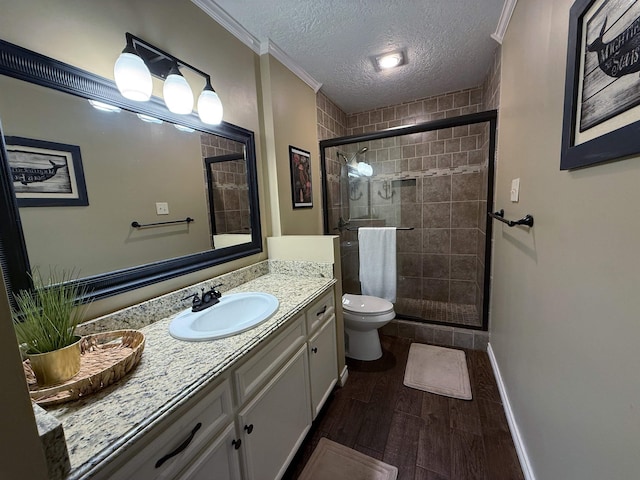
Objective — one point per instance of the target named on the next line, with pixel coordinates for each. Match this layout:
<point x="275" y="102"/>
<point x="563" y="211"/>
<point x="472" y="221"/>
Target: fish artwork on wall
<point x="610" y="84"/>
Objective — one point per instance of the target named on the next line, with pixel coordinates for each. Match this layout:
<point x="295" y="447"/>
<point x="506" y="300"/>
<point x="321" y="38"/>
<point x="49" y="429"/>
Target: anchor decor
<point x="386" y="186"/>
<point x="602" y="84"/>
<point x="354" y="188"/>
<point x="46" y="173"/>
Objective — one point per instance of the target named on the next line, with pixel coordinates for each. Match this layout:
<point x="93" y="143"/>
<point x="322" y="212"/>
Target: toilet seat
<point x="365" y="305"/>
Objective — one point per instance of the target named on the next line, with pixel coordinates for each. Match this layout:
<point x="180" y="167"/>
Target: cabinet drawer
<point x="194" y="424"/>
<point x="320" y="311"/>
<point x="259" y="368"/>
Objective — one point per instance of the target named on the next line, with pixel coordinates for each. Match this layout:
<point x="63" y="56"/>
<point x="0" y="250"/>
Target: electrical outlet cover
<point x="515" y="189"/>
<point x="162" y="208"/>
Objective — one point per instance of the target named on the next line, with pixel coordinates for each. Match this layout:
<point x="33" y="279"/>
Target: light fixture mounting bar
<point x="157" y="60"/>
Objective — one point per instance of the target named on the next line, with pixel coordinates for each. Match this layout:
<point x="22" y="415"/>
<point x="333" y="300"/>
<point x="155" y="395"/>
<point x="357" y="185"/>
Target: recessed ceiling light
<point x="389" y="60"/>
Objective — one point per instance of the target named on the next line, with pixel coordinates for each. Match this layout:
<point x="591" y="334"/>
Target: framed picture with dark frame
<point x="46" y="174"/>
<point x="602" y="89"/>
<point x="301" y="184"/>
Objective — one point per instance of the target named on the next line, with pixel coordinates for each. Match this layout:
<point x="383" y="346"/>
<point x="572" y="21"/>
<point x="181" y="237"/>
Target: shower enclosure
<point x="434" y="181"/>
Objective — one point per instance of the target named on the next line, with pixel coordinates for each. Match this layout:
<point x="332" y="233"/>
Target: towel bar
<point x="527" y="220"/>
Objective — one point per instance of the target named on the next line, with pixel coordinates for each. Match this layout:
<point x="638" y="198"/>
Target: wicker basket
<point x="106" y="358"/>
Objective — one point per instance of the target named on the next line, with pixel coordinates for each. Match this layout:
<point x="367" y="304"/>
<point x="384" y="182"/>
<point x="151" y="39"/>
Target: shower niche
<point x="433" y="182"/>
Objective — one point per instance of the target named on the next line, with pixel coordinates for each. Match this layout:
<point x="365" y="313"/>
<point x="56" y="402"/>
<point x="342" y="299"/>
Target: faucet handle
<point x="215" y="290"/>
<point x="196" y="298"/>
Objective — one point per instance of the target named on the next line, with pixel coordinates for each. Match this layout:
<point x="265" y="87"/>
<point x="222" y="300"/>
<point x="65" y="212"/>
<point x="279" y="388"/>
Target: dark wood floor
<point x="427" y="436"/>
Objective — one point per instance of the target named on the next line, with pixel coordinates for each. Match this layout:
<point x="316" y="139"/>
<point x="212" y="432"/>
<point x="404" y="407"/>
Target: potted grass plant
<point x="45" y="323"/>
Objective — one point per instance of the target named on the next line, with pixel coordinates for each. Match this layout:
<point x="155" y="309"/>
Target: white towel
<point x="378" y="262"/>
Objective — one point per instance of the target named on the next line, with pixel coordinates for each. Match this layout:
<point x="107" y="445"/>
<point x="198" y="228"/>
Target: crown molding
<point x="268" y="47"/>
<point x="507" y="10"/>
<point x="229" y="23"/>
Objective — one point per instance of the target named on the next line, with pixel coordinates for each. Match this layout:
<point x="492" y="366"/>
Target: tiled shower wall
<point x="434" y="183"/>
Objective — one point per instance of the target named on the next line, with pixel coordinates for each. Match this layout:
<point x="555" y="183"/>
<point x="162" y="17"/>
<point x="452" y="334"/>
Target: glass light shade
<point x="177" y="94"/>
<point x="132" y="77"/>
<point x="210" y="107"/>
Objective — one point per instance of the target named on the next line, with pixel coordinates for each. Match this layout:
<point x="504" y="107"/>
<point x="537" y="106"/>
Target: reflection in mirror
<point x="228" y="198"/>
<point x="135" y="168"/>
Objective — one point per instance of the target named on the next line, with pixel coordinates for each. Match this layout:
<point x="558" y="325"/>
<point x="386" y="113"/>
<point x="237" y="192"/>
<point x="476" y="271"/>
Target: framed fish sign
<point x="602" y="90"/>
<point x="46" y="174"/>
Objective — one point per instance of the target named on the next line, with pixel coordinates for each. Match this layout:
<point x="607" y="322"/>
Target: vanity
<point x="232" y="408"/>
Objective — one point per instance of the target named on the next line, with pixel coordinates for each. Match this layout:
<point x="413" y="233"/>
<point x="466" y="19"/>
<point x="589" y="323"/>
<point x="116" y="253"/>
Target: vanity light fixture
<point x="104" y="107"/>
<point x="176" y="91"/>
<point x="389" y="60"/>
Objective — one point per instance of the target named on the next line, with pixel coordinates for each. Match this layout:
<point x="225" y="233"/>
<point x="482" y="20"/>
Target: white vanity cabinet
<point x="218" y="461"/>
<point x="250" y="425"/>
<point x="323" y="357"/>
<point x="189" y="429"/>
<point x="276" y="421"/>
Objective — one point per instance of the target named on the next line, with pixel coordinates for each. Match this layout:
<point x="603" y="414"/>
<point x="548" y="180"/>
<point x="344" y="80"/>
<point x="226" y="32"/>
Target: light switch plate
<point x="162" y="208"/>
<point x="515" y="189"/>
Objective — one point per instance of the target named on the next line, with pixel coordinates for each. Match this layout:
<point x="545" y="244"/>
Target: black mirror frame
<point x="32" y="67"/>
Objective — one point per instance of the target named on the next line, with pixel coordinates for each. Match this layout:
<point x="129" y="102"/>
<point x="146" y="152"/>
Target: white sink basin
<point x="234" y="314"/>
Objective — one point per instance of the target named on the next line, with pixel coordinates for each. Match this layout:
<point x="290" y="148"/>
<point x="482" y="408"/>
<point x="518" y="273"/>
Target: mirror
<point x="124" y="197"/>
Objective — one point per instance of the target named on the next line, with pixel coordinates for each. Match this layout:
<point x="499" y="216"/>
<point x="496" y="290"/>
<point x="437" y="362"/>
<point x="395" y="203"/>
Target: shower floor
<point x="429" y="310"/>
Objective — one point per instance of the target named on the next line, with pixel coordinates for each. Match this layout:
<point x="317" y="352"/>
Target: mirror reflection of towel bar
<point x="135" y="224"/>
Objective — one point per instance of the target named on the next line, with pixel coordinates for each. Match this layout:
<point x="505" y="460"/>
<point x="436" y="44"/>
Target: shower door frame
<point x="488" y="116"/>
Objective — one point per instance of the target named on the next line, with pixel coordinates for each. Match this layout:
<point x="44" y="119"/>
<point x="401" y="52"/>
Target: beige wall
<point x="290" y="105"/>
<point x="565" y="303"/>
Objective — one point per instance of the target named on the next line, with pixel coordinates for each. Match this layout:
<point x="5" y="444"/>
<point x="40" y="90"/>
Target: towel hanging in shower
<point x="378" y="262"/>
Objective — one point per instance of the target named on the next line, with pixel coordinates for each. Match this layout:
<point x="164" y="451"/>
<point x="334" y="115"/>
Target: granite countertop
<point x="171" y="371"/>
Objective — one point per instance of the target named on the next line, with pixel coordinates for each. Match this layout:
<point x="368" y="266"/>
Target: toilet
<point x="363" y="316"/>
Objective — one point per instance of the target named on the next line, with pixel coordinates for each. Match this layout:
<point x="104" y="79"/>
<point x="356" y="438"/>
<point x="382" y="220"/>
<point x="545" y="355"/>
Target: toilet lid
<point x="365" y="304"/>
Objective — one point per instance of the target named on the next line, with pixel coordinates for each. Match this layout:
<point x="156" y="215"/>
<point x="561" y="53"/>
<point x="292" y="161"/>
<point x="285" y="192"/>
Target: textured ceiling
<point x="448" y="44"/>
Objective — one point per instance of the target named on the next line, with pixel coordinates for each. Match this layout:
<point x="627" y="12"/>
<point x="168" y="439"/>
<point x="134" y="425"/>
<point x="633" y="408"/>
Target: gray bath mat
<point x="332" y="461"/>
<point x="438" y="370"/>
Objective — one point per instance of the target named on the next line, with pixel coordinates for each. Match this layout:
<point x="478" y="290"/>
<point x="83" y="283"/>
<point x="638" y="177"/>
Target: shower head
<point x="362" y="150"/>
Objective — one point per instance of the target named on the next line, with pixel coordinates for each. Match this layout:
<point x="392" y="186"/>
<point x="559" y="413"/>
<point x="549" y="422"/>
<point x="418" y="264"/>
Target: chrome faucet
<point x="208" y="299"/>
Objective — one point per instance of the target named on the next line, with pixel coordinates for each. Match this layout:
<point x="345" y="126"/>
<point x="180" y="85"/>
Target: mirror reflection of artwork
<point x="46" y="173"/>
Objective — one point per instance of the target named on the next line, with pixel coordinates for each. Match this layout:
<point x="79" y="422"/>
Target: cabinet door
<point x="274" y="423"/>
<point x="323" y="364"/>
<point x="218" y="461"/>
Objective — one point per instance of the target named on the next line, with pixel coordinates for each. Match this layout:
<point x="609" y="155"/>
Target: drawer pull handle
<point x="321" y="312"/>
<point x="236" y="443"/>
<point x="180" y="448"/>
<point x="314" y="349"/>
<point x="249" y="428"/>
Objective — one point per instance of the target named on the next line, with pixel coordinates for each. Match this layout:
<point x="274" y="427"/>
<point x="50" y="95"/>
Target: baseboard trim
<point x="527" y="471"/>
<point x="343" y="376"/>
